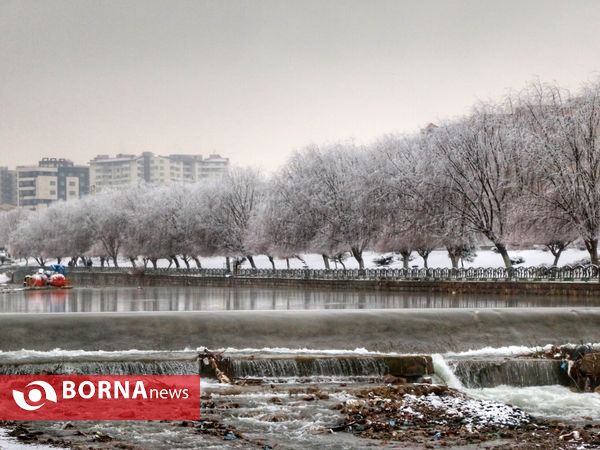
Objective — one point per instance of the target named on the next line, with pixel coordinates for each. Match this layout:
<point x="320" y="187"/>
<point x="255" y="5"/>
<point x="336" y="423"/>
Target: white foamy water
<point x="554" y="402"/>
<point x="549" y="402"/>
<point x="4" y="279"/>
<point x="299" y="351"/>
<point x="513" y="350"/>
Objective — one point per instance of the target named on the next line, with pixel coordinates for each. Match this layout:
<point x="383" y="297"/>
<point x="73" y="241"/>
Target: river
<point x="160" y="330"/>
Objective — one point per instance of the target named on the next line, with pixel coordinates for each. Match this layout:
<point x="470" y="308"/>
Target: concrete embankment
<point x="94" y="278"/>
<point x="404" y="331"/>
<point x="503" y="287"/>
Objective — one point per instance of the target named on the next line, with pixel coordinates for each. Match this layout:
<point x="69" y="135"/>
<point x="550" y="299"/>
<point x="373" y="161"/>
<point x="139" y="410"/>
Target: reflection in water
<point x="126" y="299"/>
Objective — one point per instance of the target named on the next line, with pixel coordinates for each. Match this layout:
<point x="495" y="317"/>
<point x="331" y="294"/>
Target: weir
<point x="483" y="373"/>
<point x="402" y="331"/>
<point x="236" y="366"/>
<point x="307" y="367"/>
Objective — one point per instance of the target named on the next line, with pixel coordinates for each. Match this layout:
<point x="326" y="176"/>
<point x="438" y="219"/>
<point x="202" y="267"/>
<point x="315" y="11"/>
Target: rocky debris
<point x="581" y="363"/>
<point x="424" y="415"/>
<point x="214" y="360"/>
<point x="391" y="379"/>
<point x="68" y="436"/>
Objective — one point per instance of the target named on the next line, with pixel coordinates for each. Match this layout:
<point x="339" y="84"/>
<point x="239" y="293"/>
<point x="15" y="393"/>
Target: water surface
<point x="185" y="298"/>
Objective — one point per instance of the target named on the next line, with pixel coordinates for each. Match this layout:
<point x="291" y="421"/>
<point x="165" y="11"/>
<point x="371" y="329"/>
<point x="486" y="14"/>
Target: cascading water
<point x="103" y="368"/>
<point x="549" y="401"/>
<point x="492" y="372"/>
<point x="307" y="367"/>
<point x="481" y="373"/>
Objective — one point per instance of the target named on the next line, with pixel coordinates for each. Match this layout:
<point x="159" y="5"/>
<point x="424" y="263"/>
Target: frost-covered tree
<point x="333" y="184"/>
<point x="230" y="204"/>
<point x="104" y="215"/>
<point x="563" y="138"/>
<point x="481" y="171"/>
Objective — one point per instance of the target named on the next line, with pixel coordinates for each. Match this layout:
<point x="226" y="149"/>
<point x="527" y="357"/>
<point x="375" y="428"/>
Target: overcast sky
<point x="254" y="80"/>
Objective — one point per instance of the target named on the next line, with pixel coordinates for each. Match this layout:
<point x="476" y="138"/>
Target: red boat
<point x="47" y="279"/>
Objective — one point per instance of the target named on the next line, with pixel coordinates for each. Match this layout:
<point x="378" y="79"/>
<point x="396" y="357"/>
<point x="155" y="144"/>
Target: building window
<point x="52" y="192"/>
<point x="53" y="183"/>
<point x="72" y="193"/>
<point x="71" y="183"/>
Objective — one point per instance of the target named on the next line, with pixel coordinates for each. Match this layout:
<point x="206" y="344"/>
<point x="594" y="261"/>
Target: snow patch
<point x="474" y="413"/>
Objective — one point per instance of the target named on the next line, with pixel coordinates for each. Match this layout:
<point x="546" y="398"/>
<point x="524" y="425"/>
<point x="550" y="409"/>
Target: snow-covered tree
<point x="481" y="171"/>
<point x="563" y="138"/>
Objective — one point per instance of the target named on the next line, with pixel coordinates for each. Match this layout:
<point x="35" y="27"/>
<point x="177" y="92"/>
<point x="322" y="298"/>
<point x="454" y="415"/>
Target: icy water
<point x="156" y="299"/>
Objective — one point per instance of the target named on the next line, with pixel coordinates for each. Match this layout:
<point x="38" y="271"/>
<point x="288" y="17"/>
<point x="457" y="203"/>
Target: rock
<point x="186" y="423"/>
<point x="590" y="364"/>
<point x="408" y="366"/>
<point x="230" y="436"/>
<point x="597" y="390"/>
<point x="101" y="437"/>
<point x="391" y="379"/>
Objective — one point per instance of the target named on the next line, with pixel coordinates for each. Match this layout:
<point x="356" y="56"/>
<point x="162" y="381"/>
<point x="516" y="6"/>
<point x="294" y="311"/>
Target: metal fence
<point x="565" y="273"/>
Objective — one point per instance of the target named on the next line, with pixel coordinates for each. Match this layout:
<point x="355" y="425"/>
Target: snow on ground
<point x="474" y="413"/>
<point x="4" y="279"/>
<point x="438" y="258"/>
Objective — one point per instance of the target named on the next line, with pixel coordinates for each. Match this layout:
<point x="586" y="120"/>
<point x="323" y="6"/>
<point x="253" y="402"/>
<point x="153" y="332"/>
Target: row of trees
<point x="521" y="172"/>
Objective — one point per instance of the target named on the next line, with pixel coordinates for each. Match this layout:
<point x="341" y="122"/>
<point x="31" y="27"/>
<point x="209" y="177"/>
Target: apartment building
<point x="123" y="169"/>
<point x="8" y="187"/>
<point x="51" y="180"/>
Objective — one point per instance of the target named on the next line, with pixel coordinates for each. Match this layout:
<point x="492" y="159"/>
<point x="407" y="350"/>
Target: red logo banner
<point x="99" y="397"/>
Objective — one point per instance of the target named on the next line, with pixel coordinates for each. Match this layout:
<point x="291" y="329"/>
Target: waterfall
<point x="307" y="367"/>
<point x="486" y="373"/>
<point x="510" y="372"/>
<point x="103" y="368"/>
<point x="445" y="372"/>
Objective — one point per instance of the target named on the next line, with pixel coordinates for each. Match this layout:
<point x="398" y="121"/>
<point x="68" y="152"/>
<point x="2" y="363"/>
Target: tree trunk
<point x="592" y="248"/>
<point x="287" y="262"/>
<point x="358" y="256"/>
<point x="454" y="260"/>
<point x="227" y="264"/>
<point x="154" y="262"/>
<point x="176" y="261"/>
<point x="504" y="253"/>
<point x="197" y="261"/>
<point x="186" y="260"/>
<point x="454" y="255"/>
<point x="115" y="262"/>
<point x="58" y="260"/>
<point x="326" y="261"/>
<point x="272" y="261"/>
<point x="556" y="258"/>
<point x="424" y="254"/>
<point x="251" y="261"/>
<point x="405" y="258"/>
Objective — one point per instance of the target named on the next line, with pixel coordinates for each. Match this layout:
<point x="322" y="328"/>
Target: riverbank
<point x="415" y="416"/>
<point x="582" y="283"/>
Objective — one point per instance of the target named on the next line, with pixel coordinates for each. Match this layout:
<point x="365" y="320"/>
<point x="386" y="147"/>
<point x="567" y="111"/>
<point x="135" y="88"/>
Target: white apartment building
<point x="123" y="169"/>
<point x="51" y="180"/>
